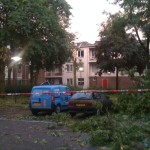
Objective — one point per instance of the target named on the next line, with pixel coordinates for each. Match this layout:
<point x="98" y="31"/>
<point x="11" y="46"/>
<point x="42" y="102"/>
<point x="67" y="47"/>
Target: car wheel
<point x="72" y="114"/>
<point x="34" y="112"/>
<point x="58" y="109"/>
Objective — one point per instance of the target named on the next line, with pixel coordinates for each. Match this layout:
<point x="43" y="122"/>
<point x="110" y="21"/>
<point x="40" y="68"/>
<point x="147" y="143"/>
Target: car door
<point x="35" y="97"/>
<point x="45" y="99"/>
<point x="41" y="98"/>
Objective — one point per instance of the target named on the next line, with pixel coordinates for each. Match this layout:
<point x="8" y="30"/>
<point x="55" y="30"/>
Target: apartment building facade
<point x="86" y="73"/>
<point x="87" y="76"/>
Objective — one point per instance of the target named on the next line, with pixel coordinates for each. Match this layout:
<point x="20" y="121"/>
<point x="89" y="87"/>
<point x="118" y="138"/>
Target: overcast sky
<point x="87" y="15"/>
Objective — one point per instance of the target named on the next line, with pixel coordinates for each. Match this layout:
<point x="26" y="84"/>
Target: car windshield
<point x="82" y="95"/>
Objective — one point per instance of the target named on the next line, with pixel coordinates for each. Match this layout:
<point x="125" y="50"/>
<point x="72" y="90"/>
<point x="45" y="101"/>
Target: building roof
<point x="85" y="44"/>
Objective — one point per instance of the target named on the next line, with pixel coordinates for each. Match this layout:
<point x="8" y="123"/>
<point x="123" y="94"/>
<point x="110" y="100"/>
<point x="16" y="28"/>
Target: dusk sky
<point x="87" y="16"/>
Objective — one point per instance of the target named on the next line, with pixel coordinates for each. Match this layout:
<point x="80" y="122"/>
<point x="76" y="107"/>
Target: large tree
<point x="116" y="49"/>
<point x="37" y="29"/>
<point x="137" y="13"/>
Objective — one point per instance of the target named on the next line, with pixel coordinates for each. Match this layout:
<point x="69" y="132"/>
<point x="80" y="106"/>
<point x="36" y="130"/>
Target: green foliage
<point x="137" y="14"/>
<point x="37" y="31"/>
<point x="143" y="81"/>
<point x="116" y="48"/>
<point x="100" y="137"/>
<point x="134" y="103"/>
<point x="117" y="131"/>
<point x="18" y="88"/>
<point x="11" y="102"/>
<point x="88" y="125"/>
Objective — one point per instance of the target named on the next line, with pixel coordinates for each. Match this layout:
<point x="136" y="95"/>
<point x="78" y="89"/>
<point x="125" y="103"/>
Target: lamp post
<point x="80" y="70"/>
<point x="16" y="59"/>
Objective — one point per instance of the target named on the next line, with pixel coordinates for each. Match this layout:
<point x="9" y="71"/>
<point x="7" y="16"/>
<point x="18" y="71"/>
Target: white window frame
<point x="93" y="53"/>
<point x="81" y="53"/>
<point x="69" y="67"/>
<point x="69" y="81"/>
<point x="80" y="81"/>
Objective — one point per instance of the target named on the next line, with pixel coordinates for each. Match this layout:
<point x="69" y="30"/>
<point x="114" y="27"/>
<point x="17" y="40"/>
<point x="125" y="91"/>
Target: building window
<point x="69" y="67"/>
<point x="93" y="53"/>
<point x="80" y="81"/>
<point x="94" y="68"/>
<point x="70" y="81"/>
<point x="81" y="53"/>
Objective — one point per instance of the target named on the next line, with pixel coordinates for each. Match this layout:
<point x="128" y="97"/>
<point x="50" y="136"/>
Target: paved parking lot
<point x="35" y="135"/>
<point x="30" y="135"/>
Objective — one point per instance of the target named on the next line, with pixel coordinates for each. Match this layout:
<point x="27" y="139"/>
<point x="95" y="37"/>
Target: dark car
<point x="88" y="102"/>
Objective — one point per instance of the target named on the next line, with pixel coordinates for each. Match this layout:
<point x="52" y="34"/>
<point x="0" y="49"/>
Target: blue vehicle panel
<point x="49" y="98"/>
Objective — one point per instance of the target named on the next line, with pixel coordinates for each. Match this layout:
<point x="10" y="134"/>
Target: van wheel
<point x="58" y="109"/>
<point x="34" y="112"/>
<point x="72" y="114"/>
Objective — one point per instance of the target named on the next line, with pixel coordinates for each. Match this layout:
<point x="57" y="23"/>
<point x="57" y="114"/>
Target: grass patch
<point x="12" y="101"/>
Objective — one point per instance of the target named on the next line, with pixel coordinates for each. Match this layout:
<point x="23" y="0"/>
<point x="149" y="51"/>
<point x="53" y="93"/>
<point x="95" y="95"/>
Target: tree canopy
<point x="118" y="49"/>
<point x="137" y="13"/>
<point x="37" y="29"/>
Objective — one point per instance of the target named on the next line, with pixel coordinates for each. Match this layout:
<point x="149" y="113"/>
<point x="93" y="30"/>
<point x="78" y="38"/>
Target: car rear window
<point x="40" y="91"/>
<point x="37" y="92"/>
<point x="84" y="96"/>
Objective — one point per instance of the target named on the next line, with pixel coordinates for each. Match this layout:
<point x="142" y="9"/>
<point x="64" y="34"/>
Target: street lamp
<point x="81" y="82"/>
<point x="81" y="69"/>
<point x="16" y="59"/>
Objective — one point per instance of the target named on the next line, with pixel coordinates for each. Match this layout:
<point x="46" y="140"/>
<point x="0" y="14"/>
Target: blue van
<point x="49" y="98"/>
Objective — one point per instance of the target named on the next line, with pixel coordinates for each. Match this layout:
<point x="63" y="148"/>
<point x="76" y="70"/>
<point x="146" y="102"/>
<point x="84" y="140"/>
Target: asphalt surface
<point x="36" y="135"/>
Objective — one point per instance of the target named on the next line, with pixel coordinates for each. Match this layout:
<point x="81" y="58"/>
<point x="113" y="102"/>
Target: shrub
<point x="134" y="102"/>
<point x="18" y="89"/>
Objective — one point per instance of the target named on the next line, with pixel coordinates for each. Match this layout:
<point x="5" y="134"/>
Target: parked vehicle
<point x="87" y="102"/>
<point x="49" y="98"/>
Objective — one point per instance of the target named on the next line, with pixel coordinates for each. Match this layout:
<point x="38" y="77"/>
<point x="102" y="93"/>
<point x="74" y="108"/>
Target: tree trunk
<point x="117" y="78"/>
<point x="147" y="54"/>
<point x="36" y="77"/>
<point x="31" y="74"/>
<point x="2" y="78"/>
<point x="9" y="75"/>
<point x="74" y="73"/>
